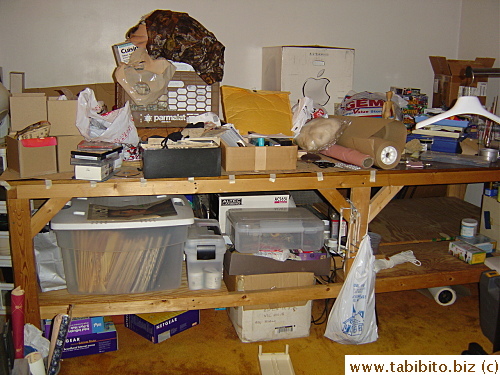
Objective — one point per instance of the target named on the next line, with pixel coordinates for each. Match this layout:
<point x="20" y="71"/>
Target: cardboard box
<point x="62" y="116"/>
<point x="30" y="161"/>
<point x="16" y="82"/>
<point x="66" y="144"/>
<point x="158" y="327"/>
<point x="27" y="109"/>
<point x="122" y="52"/>
<point x="450" y="81"/>
<point x="490" y="218"/>
<point x="92" y="343"/>
<point x="467" y="252"/>
<point x="253" y="158"/>
<point x="324" y="74"/>
<point x="186" y="95"/>
<point x="273" y="321"/>
<point x="78" y="326"/>
<point x="236" y="263"/>
<point x="221" y="203"/>
<point x="103" y="91"/>
<point x="182" y="162"/>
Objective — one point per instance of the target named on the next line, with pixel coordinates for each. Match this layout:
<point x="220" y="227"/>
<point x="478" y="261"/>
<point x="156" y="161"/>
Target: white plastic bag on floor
<point x="352" y="319"/>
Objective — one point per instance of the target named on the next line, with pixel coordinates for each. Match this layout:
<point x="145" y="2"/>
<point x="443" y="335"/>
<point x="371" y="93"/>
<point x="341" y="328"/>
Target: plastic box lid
<point x="75" y="217"/>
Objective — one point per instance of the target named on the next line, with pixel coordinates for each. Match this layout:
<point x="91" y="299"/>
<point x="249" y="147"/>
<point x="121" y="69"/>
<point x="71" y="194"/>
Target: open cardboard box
<point x="450" y="80"/>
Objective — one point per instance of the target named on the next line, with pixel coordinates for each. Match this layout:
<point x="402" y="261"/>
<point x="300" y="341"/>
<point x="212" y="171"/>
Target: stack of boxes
<point x="271" y="232"/>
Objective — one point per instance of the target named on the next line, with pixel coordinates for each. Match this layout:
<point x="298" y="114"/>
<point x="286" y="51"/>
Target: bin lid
<point x="130" y="212"/>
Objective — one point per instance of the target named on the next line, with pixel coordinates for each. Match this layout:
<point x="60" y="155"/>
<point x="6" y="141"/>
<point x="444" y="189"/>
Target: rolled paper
<point x="35" y="362"/>
<point x="17" y="306"/>
<point x="349" y="155"/>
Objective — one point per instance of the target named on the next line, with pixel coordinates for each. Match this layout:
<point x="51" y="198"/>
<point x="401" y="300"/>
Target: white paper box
<point x="325" y="74"/>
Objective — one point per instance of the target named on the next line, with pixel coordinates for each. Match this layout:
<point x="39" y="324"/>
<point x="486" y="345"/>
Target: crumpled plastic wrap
<point x="320" y="133"/>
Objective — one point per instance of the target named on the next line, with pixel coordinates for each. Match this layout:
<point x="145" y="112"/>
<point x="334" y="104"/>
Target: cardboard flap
<point x="439" y="65"/>
<point x="273" y="281"/>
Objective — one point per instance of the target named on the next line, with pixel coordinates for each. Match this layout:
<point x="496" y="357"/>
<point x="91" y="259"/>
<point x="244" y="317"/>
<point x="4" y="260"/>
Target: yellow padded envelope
<point x="265" y="112"/>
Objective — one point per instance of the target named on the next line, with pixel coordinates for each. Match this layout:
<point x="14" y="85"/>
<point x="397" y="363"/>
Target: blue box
<point x="440" y="144"/>
<point x="92" y="343"/>
<point x="78" y="326"/>
<point x="158" y="327"/>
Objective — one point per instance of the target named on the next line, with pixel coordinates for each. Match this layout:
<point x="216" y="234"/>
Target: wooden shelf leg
<point x="23" y="256"/>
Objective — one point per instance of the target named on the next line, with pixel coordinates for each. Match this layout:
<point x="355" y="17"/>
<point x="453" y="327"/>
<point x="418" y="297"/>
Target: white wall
<point x="65" y="42"/>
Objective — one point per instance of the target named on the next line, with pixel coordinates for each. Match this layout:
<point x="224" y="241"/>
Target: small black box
<point x="184" y="162"/>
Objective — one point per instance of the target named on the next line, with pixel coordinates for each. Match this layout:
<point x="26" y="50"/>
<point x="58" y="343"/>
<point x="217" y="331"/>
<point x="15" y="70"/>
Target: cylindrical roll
<point x="444" y="295"/>
<point x="35" y="362"/>
<point x="385" y="153"/>
<point x="349" y="155"/>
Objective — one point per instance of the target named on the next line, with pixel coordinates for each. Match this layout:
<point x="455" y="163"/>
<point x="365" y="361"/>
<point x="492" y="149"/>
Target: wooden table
<point x="57" y="190"/>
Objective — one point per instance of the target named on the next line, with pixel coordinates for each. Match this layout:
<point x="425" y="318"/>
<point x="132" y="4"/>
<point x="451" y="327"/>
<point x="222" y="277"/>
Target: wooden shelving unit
<point x="56" y="190"/>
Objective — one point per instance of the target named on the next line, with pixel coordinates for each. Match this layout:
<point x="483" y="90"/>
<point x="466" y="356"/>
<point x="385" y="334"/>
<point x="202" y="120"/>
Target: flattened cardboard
<point x="62" y="116"/>
<point x="269" y="281"/>
<point x="30" y="161"/>
<point x="236" y="263"/>
<point x="27" y="109"/>
<point x="252" y="158"/>
<point x="66" y="144"/>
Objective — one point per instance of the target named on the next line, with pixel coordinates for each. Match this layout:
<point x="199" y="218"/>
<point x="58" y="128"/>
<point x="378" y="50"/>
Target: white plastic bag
<point x="116" y="126"/>
<point x="352" y="319"/>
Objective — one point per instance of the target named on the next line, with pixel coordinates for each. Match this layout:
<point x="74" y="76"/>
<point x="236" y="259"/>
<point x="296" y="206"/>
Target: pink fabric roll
<point x="17" y="306"/>
<point x="349" y="155"/>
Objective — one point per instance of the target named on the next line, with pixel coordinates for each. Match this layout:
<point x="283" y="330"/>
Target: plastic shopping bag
<point x="116" y="126"/>
<point x="352" y="319"/>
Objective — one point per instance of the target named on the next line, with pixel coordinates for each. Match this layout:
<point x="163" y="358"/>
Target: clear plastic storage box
<point x="113" y="245"/>
<point x="253" y="230"/>
<point x="204" y="248"/>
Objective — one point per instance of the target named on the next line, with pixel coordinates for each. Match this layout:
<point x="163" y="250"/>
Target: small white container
<point x="204" y="249"/>
<point x="468" y="228"/>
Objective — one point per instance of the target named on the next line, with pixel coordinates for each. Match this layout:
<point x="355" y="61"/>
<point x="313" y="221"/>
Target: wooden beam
<point x="46" y="213"/>
<point x="23" y="256"/>
<point x="380" y="200"/>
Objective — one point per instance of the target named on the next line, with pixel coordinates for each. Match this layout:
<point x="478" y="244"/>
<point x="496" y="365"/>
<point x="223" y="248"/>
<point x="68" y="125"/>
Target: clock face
<point x="316" y="88"/>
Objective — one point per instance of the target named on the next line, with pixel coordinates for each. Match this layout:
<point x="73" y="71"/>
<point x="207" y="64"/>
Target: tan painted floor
<point x="409" y="324"/>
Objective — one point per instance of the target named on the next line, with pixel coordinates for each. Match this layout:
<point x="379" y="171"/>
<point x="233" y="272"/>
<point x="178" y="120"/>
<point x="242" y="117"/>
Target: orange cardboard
<point x="66" y="144"/>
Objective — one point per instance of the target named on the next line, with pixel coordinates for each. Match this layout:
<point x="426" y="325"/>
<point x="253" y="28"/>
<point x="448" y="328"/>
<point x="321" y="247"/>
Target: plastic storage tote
<point x="204" y="248"/>
<point x="253" y="230"/>
<point x="113" y="245"/>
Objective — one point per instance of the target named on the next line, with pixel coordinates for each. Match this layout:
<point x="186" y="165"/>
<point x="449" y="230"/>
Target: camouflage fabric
<point x="178" y="37"/>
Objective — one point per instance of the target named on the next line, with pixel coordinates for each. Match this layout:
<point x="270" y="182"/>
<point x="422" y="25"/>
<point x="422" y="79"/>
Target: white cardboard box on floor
<point x="273" y="321"/>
